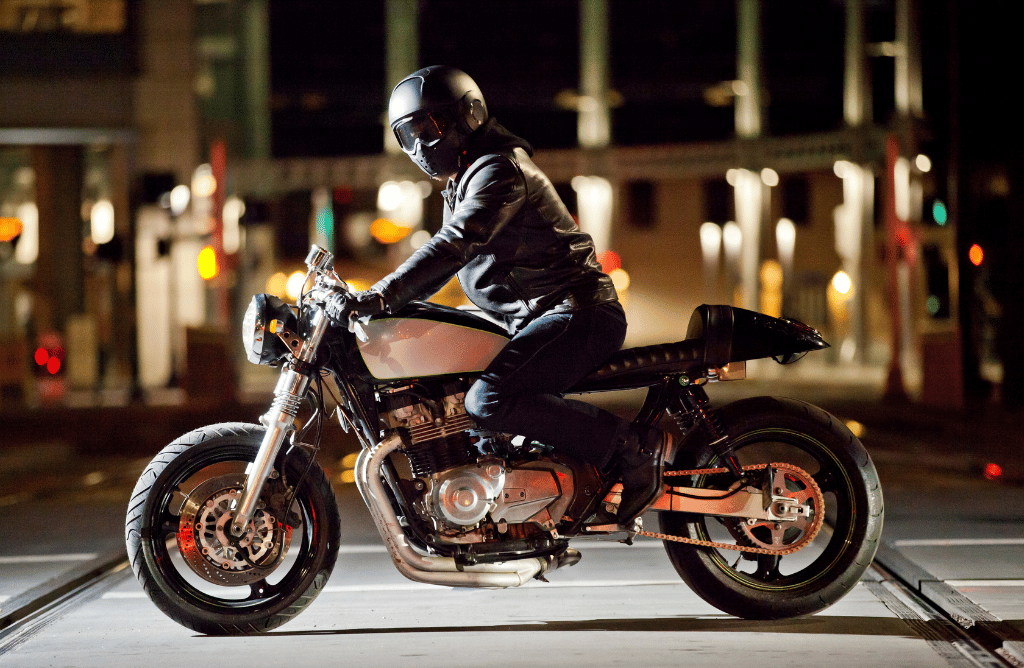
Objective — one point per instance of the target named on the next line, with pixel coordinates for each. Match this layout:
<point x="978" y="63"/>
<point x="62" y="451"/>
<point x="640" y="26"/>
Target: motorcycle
<point x="770" y="508"/>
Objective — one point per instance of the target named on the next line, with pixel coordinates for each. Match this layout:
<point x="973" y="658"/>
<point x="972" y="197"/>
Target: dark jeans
<point x="520" y="392"/>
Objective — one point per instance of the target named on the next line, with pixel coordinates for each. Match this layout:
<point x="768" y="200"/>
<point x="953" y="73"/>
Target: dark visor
<point x="427" y="128"/>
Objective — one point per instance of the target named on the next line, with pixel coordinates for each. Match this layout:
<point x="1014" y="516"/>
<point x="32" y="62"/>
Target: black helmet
<point x="432" y="113"/>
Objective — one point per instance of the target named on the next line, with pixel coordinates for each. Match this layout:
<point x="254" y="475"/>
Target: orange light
<point x="609" y="261"/>
<point x="388" y="231"/>
<point x="9" y="228"/>
<point x="41" y="356"/>
<point x="207" y="263"/>
<point x="993" y="471"/>
<point x="976" y="255"/>
<point x="53" y="365"/>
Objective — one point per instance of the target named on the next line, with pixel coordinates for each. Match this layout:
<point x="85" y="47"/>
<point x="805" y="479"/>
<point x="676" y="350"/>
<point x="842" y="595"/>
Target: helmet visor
<point x="427" y="128"/>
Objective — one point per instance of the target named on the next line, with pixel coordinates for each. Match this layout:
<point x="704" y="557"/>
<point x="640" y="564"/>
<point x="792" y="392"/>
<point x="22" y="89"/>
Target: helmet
<point x="432" y="113"/>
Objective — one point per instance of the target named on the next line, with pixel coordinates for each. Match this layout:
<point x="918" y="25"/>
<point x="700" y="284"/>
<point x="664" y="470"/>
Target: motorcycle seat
<point x="643" y="366"/>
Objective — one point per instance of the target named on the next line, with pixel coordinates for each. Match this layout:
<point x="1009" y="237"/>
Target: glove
<point x="343" y="306"/>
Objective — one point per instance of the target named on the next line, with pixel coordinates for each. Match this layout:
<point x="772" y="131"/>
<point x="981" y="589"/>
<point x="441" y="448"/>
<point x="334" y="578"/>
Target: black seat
<point x="644" y="366"/>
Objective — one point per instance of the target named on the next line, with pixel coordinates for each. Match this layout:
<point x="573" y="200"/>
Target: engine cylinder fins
<point x="434" y="455"/>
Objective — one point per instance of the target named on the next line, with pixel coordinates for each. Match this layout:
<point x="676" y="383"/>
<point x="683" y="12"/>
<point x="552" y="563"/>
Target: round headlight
<point x="261" y="345"/>
<point x="252" y="334"/>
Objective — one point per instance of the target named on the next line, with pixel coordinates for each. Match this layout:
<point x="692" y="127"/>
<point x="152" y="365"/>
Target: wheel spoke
<point x="168" y="523"/>
<point x="825" y="480"/>
<point x="260" y="590"/>
<point x="768" y="568"/>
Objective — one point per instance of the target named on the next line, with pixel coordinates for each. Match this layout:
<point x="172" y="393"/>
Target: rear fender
<point x="733" y="334"/>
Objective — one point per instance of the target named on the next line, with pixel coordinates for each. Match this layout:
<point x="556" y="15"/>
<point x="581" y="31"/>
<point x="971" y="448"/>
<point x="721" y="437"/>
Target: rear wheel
<point x="752" y="586"/>
<point x="177" y="539"/>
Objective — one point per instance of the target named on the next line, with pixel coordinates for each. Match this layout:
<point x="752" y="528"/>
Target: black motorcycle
<point x="770" y="508"/>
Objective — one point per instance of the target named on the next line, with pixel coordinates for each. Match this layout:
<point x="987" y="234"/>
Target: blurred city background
<point x="847" y="163"/>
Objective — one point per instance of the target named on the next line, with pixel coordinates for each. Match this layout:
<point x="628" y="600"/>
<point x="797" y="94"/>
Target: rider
<point x="520" y="257"/>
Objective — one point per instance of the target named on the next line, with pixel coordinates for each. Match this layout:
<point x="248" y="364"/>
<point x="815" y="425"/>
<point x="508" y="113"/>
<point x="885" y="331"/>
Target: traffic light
<point x="49" y="362"/>
<point x="936" y="282"/>
<point x="976" y="255"/>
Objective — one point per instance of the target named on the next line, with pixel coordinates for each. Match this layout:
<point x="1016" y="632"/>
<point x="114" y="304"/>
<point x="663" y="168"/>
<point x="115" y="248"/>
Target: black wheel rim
<point x="176" y="575"/>
<point x="837" y="537"/>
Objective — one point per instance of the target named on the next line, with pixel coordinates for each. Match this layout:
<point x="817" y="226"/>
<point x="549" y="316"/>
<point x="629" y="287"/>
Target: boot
<point x="641" y="460"/>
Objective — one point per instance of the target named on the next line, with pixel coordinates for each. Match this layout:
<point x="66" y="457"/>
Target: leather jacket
<point x="509" y="238"/>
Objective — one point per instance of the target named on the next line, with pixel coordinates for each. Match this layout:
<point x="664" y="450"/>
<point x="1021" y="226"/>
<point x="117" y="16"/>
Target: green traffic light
<point x="939" y="213"/>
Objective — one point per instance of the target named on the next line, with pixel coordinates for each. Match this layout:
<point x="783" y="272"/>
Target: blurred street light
<point x="179" y="199"/>
<point x="101" y="222"/>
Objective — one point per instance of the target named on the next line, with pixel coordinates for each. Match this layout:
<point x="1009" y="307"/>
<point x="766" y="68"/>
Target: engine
<point x="472" y="485"/>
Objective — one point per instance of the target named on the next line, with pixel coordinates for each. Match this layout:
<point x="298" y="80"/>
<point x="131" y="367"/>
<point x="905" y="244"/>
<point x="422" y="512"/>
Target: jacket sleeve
<point x="494" y="192"/>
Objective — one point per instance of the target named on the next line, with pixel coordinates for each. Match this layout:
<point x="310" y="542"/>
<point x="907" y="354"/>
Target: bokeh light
<point x="976" y="255"/>
<point x="388" y="231"/>
<point x="620" y="279"/>
<point x="293" y="288"/>
<point x="101" y="222"/>
<point x="207" y="263"/>
<point x="277" y="284"/>
<point x="203" y="182"/>
<point x="609" y="261"/>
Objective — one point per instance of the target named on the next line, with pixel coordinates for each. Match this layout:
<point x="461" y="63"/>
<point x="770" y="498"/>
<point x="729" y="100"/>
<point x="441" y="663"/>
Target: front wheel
<point x="755" y="586"/>
<point x="178" y="542"/>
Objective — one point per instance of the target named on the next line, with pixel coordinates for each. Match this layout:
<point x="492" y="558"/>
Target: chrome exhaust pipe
<point x="431" y="569"/>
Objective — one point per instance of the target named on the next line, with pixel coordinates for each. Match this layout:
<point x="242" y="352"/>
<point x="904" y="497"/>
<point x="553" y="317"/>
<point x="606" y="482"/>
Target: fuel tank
<point x="425" y="339"/>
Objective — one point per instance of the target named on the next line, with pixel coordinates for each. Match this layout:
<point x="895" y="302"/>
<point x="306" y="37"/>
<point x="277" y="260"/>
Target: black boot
<point x="641" y="459"/>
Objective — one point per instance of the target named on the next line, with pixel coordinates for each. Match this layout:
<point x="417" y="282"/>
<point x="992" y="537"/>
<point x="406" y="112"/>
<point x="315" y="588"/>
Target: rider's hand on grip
<point x="343" y="306"/>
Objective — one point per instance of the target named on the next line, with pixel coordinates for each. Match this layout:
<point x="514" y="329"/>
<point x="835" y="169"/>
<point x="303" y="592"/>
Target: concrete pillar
<point x="856" y="88"/>
<point x="749" y="98"/>
<point x="855" y="223"/>
<point x="255" y="34"/>
<point x="594" y="194"/>
<point x="594" y="125"/>
<point x="59" y="284"/>
<point x="749" y="193"/>
<point x="909" y="100"/>
<point x="123" y="308"/>
<point x="402" y="55"/>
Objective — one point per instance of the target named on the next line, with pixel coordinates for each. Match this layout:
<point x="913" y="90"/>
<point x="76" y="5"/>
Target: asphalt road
<point x="619" y="606"/>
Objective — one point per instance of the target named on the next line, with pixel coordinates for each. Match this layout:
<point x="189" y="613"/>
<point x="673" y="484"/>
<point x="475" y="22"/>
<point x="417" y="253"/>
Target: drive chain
<point x="798" y="473"/>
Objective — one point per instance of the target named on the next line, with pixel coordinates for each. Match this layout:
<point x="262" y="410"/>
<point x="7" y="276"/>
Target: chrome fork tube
<point x="279" y="421"/>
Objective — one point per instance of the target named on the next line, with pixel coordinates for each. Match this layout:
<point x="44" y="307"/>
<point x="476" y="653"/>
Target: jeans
<point x="520" y="391"/>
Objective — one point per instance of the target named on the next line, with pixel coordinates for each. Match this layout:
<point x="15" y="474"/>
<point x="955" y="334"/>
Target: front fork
<point x="279" y="421"/>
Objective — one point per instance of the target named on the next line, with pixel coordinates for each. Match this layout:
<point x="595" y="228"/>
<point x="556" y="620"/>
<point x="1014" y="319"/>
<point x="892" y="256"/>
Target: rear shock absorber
<point x="694" y="411"/>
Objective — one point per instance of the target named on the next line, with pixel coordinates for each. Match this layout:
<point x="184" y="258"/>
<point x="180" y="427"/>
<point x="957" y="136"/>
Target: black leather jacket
<point x="508" y="236"/>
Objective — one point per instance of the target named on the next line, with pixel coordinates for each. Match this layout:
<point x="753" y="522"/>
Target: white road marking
<point x="361" y="549"/>
<point x="985" y="583"/>
<point x="954" y="542"/>
<point x="416" y="586"/>
<point x="46" y="558"/>
<point x="3" y="598"/>
<point x="579" y="545"/>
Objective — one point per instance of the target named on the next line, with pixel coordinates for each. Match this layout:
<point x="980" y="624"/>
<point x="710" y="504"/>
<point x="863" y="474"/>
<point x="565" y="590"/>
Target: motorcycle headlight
<point x="261" y="345"/>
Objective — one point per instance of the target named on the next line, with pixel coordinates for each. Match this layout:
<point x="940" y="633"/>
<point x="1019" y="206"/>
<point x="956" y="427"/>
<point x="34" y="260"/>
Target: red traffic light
<point x="50" y="359"/>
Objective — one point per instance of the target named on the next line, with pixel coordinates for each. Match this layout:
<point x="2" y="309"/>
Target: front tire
<point x="765" y="430"/>
<point x="199" y="581"/>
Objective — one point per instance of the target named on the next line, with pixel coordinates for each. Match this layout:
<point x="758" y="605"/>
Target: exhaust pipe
<point x="429" y="568"/>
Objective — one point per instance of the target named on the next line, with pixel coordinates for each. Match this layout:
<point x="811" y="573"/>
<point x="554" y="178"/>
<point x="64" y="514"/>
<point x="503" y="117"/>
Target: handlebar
<point x="328" y="284"/>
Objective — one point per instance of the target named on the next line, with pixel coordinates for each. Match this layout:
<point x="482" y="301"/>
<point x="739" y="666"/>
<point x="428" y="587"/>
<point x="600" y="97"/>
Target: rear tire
<point x="222" y="451"/>
<point x="765" y="429"/>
